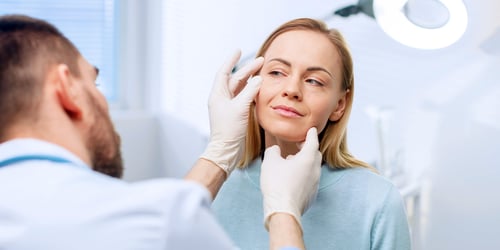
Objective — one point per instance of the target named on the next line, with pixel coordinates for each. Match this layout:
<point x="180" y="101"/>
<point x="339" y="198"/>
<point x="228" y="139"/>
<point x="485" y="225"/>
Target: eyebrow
<point x="287" y="63"/>
<point x="96" y="71"/>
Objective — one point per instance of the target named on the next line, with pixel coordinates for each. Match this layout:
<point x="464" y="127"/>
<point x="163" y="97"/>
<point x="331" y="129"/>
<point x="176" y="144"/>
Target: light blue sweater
<point x="355" y="209"/>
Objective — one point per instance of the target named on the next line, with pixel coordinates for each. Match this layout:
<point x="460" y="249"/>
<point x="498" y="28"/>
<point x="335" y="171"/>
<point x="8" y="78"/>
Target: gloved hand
<point x="228" y="110"/>
<point x="290" y="185"/>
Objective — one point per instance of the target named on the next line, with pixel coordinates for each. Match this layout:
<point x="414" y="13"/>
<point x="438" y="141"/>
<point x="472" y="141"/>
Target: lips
<point x="287" y="111"/>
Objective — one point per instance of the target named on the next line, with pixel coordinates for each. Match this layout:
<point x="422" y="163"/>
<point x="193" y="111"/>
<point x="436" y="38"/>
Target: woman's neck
<point x="287" y="147"/>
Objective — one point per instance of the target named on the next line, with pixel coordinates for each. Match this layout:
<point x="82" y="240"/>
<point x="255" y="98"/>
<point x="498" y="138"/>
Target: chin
<point x="287" y="134"/>
<point x="285" y="130"/>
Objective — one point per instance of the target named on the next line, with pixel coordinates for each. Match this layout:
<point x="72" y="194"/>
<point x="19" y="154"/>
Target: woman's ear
<point x="67" y="92"/>
<point x="338" y="112"/>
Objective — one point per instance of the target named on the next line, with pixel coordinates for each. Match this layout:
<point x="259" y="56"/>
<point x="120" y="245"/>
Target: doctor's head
<point x="47" y="91"/>
<point x="307" y="82"/>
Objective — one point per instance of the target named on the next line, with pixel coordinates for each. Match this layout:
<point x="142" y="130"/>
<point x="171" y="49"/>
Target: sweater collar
<point x="329" y="176"/>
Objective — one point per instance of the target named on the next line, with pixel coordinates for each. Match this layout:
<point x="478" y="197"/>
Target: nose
<point x="292" y="89"/>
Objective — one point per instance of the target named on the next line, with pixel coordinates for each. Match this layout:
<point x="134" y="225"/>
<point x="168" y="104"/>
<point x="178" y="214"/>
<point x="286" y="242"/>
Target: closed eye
<point x="275" y="73"/>
<point x="314" y="82"/>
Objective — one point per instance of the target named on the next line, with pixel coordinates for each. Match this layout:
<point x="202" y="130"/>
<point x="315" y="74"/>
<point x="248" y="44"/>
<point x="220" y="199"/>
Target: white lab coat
<point x="46" y="204"/>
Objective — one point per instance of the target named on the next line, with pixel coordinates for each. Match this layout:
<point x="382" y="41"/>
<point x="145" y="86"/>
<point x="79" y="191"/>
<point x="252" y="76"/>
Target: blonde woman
<point x="308" y="82"/>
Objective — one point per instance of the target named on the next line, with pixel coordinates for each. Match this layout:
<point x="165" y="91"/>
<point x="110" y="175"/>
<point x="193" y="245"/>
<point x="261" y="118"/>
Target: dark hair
<point x="28" y="48"/>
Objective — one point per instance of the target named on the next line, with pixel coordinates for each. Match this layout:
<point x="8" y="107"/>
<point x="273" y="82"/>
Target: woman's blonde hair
<point x="333" y="142"/>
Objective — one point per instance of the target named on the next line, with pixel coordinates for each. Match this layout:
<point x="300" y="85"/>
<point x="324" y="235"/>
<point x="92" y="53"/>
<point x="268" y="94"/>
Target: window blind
<point x="89" y="24"/>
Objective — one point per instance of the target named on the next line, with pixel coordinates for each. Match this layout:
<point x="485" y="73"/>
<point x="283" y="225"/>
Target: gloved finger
<point x="250" y="91"/>
<point x="223" y="75"/>
<point x="311" y="144"/>
<point x="272" y="152"/>
<point x="239" y="79"/>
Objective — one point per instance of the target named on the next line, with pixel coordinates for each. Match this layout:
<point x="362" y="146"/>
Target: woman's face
<point x="301" y="85"/>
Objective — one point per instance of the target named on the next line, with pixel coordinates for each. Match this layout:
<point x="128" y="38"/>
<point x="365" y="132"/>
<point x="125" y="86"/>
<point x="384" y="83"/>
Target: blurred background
<point x="427" y="119"/>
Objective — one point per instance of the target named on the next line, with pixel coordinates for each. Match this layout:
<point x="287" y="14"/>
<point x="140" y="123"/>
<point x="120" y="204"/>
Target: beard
<point x="104" y="143"/>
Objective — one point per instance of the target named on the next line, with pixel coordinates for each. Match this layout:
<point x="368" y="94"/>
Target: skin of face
<point x="301" y="88"/>
<point x="103" y="142"/>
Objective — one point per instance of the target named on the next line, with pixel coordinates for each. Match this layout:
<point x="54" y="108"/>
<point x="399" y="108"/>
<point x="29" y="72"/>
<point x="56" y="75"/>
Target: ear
<point x="67" y="92"/>
<point x="338" y="112"/>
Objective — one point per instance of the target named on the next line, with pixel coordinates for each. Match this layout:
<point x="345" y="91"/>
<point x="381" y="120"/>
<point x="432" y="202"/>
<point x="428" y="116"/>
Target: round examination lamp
<point x="407" y="21"/>
<point x="392" y="18"/>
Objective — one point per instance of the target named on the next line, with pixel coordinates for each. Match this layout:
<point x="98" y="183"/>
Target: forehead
<point x="305" y="46"/>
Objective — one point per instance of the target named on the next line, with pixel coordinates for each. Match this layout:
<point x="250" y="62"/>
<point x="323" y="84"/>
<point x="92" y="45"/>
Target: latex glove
<point x="228" y="110"/>
<point x="290" y="185"/>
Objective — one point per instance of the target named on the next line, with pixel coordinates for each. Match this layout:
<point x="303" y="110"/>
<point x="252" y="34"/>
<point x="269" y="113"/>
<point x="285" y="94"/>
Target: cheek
<point x="260" y="106"/>
<point x="321" y="116"/>
<point x="262" y="102"/>
<point x="266" y="93"/>
<point x="320" y="124"/>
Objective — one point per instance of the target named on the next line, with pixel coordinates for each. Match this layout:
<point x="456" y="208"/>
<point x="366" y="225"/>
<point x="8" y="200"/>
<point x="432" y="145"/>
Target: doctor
<point x="59" y="154"/>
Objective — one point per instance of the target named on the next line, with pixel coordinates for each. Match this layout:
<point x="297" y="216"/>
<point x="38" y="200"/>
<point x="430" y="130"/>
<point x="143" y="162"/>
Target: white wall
<point x="141" y="147"/>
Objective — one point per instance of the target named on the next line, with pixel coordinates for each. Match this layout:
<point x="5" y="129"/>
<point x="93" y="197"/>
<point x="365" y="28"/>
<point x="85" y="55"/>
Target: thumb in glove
<point x="290" y="185"/>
